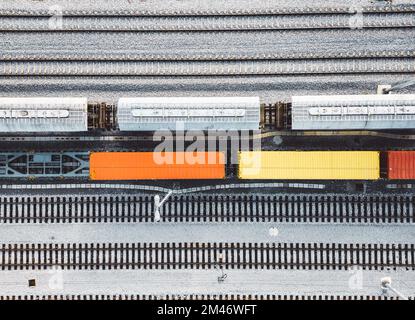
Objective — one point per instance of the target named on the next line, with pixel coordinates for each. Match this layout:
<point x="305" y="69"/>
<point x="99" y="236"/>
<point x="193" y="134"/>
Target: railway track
<point x="189" y="56"/>
<point x="305" y="208"/>
<point x="249" y="297"/>
<point x="402" y="8"/>
<point x="245" y="67"/>
<point x="229" y="22"/>
<point x="303" y="256"/>
<point x="117" y="137"/>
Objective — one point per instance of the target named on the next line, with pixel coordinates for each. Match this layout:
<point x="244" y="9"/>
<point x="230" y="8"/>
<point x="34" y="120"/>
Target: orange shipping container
<point x="401" y="164"/>
<point x="156" y="165"/>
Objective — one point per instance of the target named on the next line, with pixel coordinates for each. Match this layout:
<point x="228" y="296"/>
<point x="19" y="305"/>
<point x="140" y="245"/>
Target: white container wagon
<point x="188" y="113"/>
<point x="43" y="114"/>
<point x="355" y="112"/>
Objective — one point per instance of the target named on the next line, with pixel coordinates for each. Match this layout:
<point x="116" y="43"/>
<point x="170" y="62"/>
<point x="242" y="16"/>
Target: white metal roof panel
<point x="51" y="114"/>
<point x="337" y="112"/>
<point x="194" y="113"/>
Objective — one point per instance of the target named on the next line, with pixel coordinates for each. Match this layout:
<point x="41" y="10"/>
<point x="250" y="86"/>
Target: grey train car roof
<point x="188" y="113"/>
<point x="337" y="112"/>
<point x="43" y="114"/>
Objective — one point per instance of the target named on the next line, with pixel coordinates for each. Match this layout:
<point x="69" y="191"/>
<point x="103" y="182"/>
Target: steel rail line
<point x="208" y="68"/>
<point x="303" y="256"/>
<point x="264" y="135"/>
<point x="208" y="23"/>
<point x="196" y="297"/>
<point x="183" y="56"/>
<point x="211" y="12"/>
<point x="307" y="208"/>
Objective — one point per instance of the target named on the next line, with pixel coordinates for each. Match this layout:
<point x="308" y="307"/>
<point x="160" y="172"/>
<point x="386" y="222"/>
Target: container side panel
<point x="401" y="165"/>
<point x="157" y="166"/>
<point x="310" y="165"/>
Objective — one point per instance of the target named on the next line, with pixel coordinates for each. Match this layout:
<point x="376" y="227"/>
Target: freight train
<point x="251" y="165"/>
<point x="254" y="165"/>
<point x="336" y="112"/>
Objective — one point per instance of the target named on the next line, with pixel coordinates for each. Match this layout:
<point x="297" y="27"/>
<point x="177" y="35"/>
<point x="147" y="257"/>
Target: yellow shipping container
<point x="309" y="165"/>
